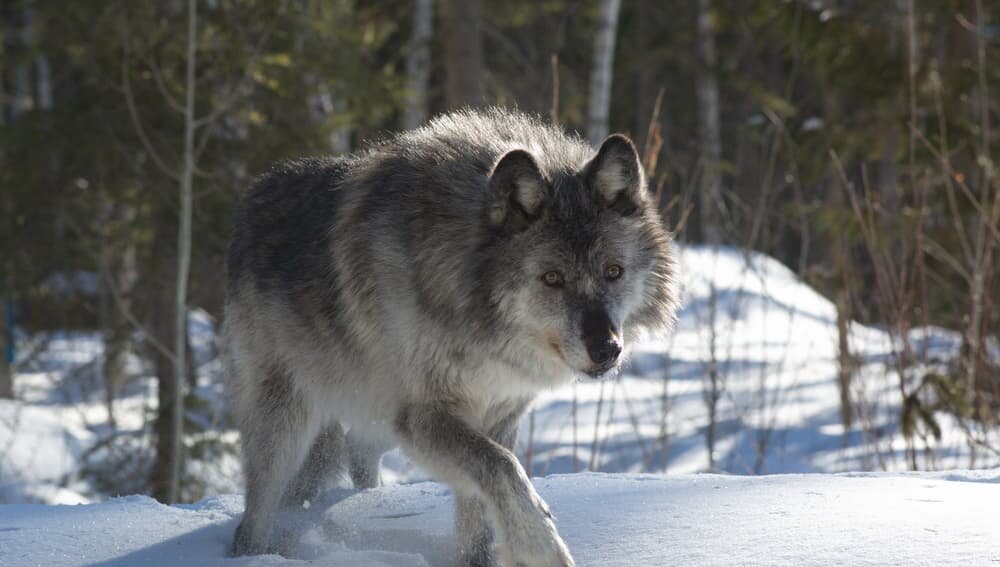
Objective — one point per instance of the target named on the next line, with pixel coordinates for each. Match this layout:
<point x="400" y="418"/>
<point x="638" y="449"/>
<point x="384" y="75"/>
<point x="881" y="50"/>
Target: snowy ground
<point x="607" y="520"/>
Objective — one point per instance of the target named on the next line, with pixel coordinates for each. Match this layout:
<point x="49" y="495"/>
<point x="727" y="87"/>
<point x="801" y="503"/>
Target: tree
<point x="603" y="72"/>
<point x="118" y="274"/>
<point x="709" y="130"/>
<point x="183" y="256"/>
<point x="418" y="64"/>
<point x="463" y="40"/>
<point x="6" y="341"/>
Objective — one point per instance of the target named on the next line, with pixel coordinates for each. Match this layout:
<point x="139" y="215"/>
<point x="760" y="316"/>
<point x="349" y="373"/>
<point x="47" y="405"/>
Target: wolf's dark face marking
<point x="586" y="243"/>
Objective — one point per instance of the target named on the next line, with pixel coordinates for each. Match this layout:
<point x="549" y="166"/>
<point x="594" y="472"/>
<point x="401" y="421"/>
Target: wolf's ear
<point x="615" y="175"/>
<point x="517" y="191"/>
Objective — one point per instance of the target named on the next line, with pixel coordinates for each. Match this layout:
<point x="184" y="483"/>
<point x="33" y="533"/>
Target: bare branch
<point x="162" y="86"/>
<point x="147" y="335"/>
<point x="237" y="92"/>
<point x="941" y="253"/>
<point x="959" y="180"/>
<point x="133" y="113"/>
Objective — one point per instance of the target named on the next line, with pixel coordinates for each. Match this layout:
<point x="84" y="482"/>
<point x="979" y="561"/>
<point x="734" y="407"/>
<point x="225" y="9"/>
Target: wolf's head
<point x="587" y="264"/>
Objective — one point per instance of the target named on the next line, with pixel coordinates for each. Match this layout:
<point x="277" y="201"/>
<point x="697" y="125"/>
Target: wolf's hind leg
<point x="365" y="460"/>
<point x="325" y="460"/>
<point x="276" y="438"/>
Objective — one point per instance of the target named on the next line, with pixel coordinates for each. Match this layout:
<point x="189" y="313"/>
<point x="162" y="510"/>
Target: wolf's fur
<point x="398" y="296"/>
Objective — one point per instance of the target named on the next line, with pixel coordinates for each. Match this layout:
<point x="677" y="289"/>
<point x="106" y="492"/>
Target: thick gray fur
<point x="399" y="297"/>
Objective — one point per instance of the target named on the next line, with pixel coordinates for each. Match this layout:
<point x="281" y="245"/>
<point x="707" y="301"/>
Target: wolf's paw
<point x="244" y="543"/>
<point x="536" y="544"/>
<point x="557" y="555"/>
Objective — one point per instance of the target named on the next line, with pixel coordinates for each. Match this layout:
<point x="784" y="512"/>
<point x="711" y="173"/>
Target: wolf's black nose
<point x="604" y="352"/>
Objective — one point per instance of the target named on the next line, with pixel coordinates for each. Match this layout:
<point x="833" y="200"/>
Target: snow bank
<point x="925" y="519"/>
<point x="772" y="342"/>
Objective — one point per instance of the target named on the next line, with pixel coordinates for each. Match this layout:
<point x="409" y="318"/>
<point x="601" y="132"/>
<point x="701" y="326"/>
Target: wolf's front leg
<point x="475" y="464"/>
<point x="473" y="532"/>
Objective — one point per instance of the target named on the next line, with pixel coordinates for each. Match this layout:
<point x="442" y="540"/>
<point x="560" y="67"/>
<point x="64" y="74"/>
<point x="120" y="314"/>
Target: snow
<point x="607" y="520"/>
<point x="771" y="341"/>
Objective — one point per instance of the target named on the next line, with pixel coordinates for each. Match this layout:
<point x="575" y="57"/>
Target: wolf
<point x="420" y="294"/>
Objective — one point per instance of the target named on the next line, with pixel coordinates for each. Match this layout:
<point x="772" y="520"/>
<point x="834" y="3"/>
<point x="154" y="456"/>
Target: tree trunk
<point x="6" y="305"/>
<point x="418" y="64"/>
<point x="7" y="341"/>
<point x="712" y="389"/>
<point x="340" y="137"/>
<point x="4" y="97"/>
<point x="845" y="361"/>
<point x="172" y="320"/>
<point x="43" y="82"/>
<point x="161" y="327"/>
<point x="982" y="242"/>
<point x="119" y="275"/>
<point x="843" y="272"/>
<point x="602" y="73"/>
<point x="463" y="37"/>
<point x="328" y="100"/>
<point x="192" y="364"/>
<point x="709" y="194"/>
<point x="644" y="94"/>
<point x="21" y="100"/>
<point x="709" y="131"/>
<point x="183" y="255"/>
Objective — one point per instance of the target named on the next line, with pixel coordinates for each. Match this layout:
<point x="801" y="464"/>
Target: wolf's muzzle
<point x="601" y="338"/>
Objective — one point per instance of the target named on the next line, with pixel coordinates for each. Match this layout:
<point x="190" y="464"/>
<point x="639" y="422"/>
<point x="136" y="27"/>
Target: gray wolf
<point x="420" y="294"/>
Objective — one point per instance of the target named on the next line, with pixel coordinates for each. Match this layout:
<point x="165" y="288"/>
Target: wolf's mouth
<point x="555" y="345"/>
<point x="556" y="348"/>
<point x="598" y="373"/>
<point x="604" y="373"/>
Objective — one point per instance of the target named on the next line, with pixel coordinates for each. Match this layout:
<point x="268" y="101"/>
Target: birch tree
<point x="710" y="201"/>
<point x="709" y="132"/>
<point x="418" y="64"/>
<point x="183" y="255"/>
<point x="463" y="39"/>
<point x="602" y="73"/>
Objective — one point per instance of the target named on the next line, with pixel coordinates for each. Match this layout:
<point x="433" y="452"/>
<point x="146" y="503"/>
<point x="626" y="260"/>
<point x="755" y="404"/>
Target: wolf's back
<point x="426" y="185"/>
<point x="281" y="222"/>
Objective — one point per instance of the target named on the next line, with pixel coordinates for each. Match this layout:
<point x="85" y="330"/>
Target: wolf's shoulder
<point x="299" y="174"/>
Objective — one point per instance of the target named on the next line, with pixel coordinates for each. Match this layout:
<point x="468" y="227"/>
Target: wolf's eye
<point x="614" y="271"/>
<point x="553" y="279"/>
